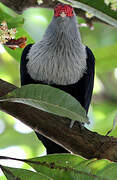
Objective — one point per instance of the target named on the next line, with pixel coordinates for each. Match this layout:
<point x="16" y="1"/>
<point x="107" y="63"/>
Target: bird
<point x="60" y="60"/>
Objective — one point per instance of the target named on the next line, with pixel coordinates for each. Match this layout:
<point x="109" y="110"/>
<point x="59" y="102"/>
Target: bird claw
<point x="81" y="125"/>
<point x="72" y="123"/>
<point x="113" y="126"/>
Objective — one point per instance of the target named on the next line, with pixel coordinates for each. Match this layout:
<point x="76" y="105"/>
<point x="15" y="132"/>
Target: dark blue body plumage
<point x="60" y="57"/>
<point x="82" y="91"/>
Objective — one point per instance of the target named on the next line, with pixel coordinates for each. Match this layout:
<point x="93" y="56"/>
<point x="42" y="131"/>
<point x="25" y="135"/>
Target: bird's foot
<point x="113" y="126"/>
<point x="80" y="124"/>
<point x="72" y="123"/>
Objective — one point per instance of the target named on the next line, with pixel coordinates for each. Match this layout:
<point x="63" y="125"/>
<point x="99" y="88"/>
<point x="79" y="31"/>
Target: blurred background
<point x="17" y="140"/>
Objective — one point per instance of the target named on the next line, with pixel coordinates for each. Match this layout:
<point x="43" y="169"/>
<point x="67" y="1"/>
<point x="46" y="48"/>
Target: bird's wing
<point x="89" y="78"/>
<point x="25" y="77"/>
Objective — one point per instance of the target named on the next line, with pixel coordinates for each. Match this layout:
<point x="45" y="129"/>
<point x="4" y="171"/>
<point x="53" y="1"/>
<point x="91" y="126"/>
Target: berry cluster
<point x="5" y="33"/>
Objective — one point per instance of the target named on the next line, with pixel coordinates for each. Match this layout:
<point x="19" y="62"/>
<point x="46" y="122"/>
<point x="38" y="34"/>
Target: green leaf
<point x="109" y="171"/>
<point x="98" y="8"/>
<point x="70" y="167"/>
<point x="7" y="10"/>
<point x="61" y="166"/>
<point x="48" y="99"/>
<point x="65" y="160"/>
<point x="67" y="166"/>
<point x="13" y="20"/>
<point x="22" y="174"/>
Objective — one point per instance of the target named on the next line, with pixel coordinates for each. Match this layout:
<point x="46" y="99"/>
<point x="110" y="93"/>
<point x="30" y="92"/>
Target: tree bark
<point x="78" y="141"/>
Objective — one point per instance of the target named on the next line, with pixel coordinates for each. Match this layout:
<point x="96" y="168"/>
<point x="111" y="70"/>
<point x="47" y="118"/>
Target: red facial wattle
<point x="67" y="9"/>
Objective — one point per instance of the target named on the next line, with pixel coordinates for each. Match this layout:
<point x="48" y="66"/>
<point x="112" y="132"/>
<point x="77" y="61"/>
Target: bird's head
<point x="64" y="15"/>
<point x="63" y="21"/>
<point x="63" y="10"/>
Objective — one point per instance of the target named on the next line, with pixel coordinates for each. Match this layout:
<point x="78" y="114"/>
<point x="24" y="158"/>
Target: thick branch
<point x="83" y="142"/>
<point x="20" y="5"/>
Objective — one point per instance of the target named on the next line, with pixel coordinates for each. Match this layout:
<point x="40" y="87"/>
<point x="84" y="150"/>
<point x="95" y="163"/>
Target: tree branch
<point x="79" y="141"/>
<point x="20" y="5"/>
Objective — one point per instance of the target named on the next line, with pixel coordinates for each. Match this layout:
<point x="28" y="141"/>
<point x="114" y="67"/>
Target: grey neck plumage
<point x="60" y="57"/>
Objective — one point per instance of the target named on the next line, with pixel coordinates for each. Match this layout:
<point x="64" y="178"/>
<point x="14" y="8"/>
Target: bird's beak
<point x="63" y="14"/>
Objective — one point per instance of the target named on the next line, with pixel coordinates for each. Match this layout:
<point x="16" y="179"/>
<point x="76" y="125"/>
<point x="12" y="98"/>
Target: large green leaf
<point x="65" y="160"/>
<point x="48" y="99"/>
<point x="13" y="20"/>
<point x="98" y="8"/>
<point x="68" y="167"/>
<point x="72" y="167"/>
<point x="22" y="174"/>
<point x="7" y="10"/>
